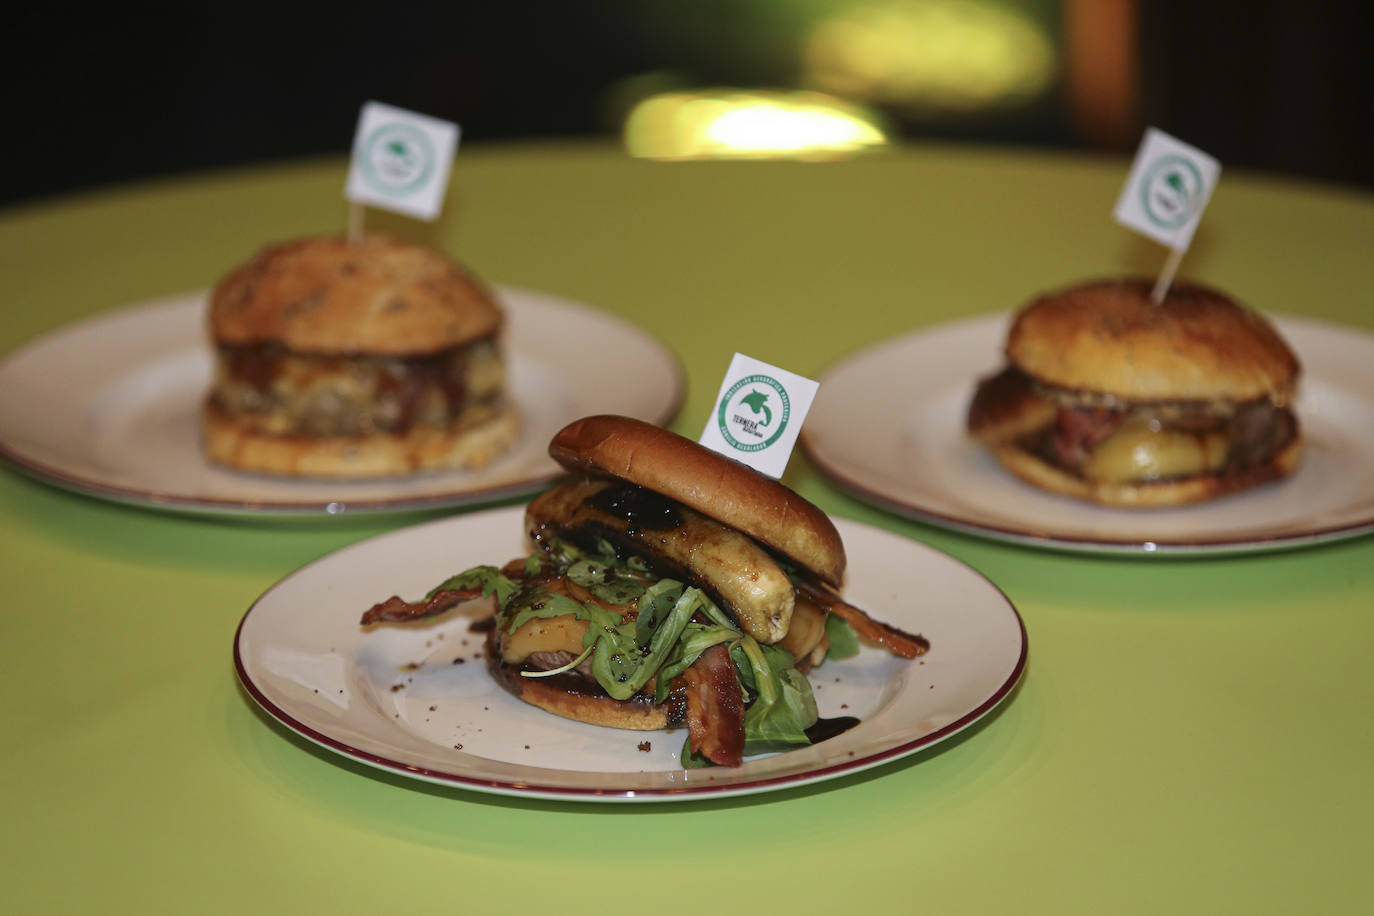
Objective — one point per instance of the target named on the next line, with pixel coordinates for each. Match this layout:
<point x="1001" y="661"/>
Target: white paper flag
<point x="758" y="414"/>
<point x="401" y="160"/>
<point x="1167" y="189"/>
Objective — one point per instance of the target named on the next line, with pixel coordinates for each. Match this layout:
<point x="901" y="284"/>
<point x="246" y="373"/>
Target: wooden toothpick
<point x="1166" y="276"/>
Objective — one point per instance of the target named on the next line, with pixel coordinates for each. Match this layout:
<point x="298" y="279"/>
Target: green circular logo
<point x="753" y="413"/>
<point x="1171" y="191"/>
<point x="397" y="159"/>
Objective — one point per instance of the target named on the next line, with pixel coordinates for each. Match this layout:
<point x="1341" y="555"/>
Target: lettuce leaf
<point x="844" y="642"/>
<point x="622" y="663"/>
<point x="783" y="708"/>
<point x="488" y="578"/>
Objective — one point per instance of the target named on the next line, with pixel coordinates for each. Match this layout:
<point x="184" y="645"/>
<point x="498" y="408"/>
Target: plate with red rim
<point x="416" y="700"/>
<point x="111" y="409"/>
<point x="916" y="459"/>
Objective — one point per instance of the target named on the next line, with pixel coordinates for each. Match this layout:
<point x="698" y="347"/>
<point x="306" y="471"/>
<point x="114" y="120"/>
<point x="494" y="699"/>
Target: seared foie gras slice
<point x="742" y="576"/>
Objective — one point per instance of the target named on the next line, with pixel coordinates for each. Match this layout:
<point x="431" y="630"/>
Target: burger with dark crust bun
<point x="1110" y="398"/>
<point x="668" y="586"/>
<point x="343" y="359"/>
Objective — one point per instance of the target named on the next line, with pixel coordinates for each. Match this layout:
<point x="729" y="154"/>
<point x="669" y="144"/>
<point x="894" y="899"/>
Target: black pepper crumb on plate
<point x="460" y="661"/>
<point x="397" y="687"/>
<point x="457" y="747"/>
<point x="645" y="746"/>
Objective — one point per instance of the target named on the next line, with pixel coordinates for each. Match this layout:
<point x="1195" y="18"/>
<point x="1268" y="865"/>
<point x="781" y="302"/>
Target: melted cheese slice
<point x="543" y="634"/>
<point x="1138" y="451"/>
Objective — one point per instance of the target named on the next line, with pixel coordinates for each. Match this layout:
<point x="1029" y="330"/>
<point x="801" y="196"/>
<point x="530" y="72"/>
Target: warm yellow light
<point x="950" y="55"/>
<point x="730" y="124"/>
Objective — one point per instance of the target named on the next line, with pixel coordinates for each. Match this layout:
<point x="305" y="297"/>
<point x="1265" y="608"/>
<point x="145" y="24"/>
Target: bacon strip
<point x="394" y="609"/>
<point x="715" y="708"/>
<point x="898" y="642"/>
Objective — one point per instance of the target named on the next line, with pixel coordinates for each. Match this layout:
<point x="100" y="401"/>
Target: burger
<point x="667" y="587"/>
<point x="1111" y="398"/>
<point x="355" y="359"/>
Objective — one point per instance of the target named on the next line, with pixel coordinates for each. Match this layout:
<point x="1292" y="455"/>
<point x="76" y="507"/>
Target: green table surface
<point x="1190" y="735"/>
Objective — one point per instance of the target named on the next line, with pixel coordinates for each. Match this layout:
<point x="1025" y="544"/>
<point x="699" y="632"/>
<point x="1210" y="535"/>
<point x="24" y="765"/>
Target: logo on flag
<point x="758" y="414"/>
<point x="753" y="414"/>
<point x="397" y="159"/>
<point x="401" y="160"/>
<point x="1167" y="189"/>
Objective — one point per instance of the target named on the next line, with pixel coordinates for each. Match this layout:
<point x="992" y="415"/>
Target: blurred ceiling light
<point x="738" y="124"/>
<point x="956" y="56"/>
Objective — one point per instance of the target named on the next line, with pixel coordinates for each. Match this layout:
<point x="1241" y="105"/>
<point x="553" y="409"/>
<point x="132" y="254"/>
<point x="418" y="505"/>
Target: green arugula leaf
<point x="538" y="602"/>
<point x="622" y="664"/>
<point x="691" y="760"/>
<point x="784" y="706"/>
<point x="844" y="642"/>
<point x="604" y="581"/>
<point x="488" y="578"/>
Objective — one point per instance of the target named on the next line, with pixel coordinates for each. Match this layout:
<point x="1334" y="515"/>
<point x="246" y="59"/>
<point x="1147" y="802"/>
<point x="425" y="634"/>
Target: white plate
<point x="109" y="407"/>
<point x="395" y="698"/>
<point x="888" y="425"/>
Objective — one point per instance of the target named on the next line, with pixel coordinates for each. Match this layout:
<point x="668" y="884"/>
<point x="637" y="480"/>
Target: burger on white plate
<point x="668" y="586"/>
<point x="1110" y="398"/>
<point x="366" y="359"/>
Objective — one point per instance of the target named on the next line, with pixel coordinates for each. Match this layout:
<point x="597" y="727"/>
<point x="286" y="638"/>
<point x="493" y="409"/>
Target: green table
<point x="1191" y="735"/>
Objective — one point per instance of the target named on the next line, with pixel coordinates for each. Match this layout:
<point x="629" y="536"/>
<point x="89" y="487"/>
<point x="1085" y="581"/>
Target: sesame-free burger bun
<point x="727" y="491"/>
<point x="380" y="296"/>
<point x="1147" y="493"/>
<point x="474" y="440"/>
<point x="574" y="699"/>
<point x="1108" y="337"/>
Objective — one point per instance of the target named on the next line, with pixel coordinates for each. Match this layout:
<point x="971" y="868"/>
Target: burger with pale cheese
<point x="1111" y="398"/>
<point x="355" y="359"/>
<point x="667" y="587"/>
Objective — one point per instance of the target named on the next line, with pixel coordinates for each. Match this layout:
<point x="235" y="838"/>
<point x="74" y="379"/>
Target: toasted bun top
<point x="727" y="491"/>
<point x="1108" y="337"/>
<point x="381" y="296"/>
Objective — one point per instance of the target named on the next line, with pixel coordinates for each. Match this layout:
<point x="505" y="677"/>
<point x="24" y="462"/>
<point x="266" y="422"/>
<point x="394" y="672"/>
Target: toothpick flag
<point x="401" y="162"/>
<point x="758" y="414"/>
<point x="1166" y="191"/>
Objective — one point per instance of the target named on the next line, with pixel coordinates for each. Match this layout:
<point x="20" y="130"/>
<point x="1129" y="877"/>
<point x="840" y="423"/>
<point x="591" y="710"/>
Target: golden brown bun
<point x="727" y="491"/>
<point x="473" y="443"/>
<point x="595" y="708"/>
<point x="1147" y="494"/>
<point x="380" y="297"/>
<point x="1108" y="337"/>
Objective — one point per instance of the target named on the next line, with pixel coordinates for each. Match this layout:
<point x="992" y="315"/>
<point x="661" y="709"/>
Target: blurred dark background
<point x="110" y="95"/>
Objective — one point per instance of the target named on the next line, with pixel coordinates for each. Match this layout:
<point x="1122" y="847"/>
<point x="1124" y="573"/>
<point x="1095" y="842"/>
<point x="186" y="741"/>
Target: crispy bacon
<point x="898" y="642"/>
<point x="715" y="708"/>
<point x="1080" y="430"/>
<point x="394" y="609"/>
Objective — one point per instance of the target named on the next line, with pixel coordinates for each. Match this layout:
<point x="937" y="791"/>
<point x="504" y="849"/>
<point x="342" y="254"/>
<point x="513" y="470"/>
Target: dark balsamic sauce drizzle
<point x="642" y="508"/>
<point x="824" y="729"/>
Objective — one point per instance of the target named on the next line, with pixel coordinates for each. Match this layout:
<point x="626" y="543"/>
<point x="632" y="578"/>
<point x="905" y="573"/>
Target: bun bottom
<point x="552" y="694"/>
<point x="473" y="442"/>
<point x="1148" y="494"/>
